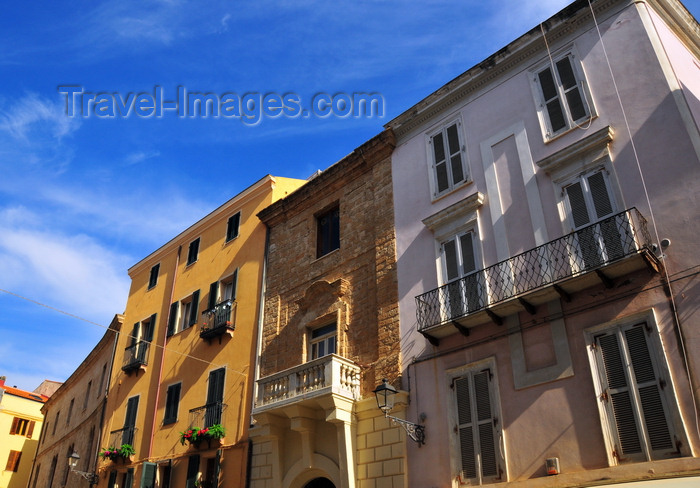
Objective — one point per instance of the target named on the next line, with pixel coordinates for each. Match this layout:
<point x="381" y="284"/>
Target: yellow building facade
<point x="20" y="426"/>
<point x="178" y="408"/>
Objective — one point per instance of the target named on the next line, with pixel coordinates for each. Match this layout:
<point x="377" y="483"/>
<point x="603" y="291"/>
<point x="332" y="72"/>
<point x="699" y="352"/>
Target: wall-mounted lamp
<point x="91" y="478"/>
<point x="385" y="394"/>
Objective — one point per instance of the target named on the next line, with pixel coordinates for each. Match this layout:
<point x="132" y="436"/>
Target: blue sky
<point x="84" y="198"/>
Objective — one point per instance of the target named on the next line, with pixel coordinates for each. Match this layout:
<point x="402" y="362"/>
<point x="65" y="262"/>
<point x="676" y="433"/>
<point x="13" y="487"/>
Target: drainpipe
<point x="162" y="356"/>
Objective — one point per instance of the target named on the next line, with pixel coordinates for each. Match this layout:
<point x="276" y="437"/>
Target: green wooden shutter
<point x="148" y="475"/>
<point x="135" y="335"/>
<point x="194" y="310"/>
<point x="132" y="406"/>
<point x="192" y="471"/>
<point x="172" y="320"/>
<point x="213" y="289"/>
<point x="112" y="479"/>
<point x="129" y="478"/>
<point x="234" y="284"/>
<point x="148" y="332"/>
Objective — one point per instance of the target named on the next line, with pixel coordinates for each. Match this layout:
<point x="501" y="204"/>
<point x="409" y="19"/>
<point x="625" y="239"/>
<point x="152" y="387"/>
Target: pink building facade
<point x="546" y="221"/>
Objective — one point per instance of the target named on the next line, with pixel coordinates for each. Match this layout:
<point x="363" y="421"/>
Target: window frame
<point x="172" y="406"/>
<point x="660" y="367"/>
<point x="233" y="231"/>
<point x="548" y="132"/>
<point x="327" y="236"/>
<point x="472" y="369"/>
<point x="153" y="277"/>
<point x="442" y="130"/>
<point x="193" y="251"/>
<point x="23" y="427"/>
<point x="322" y="339"/>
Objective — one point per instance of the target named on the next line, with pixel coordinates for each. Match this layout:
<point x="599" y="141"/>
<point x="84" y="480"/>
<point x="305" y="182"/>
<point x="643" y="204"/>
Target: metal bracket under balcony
<point x="329" y="374"/>
<point x="136" y="357"/>
<point x="219" y="321"/>
<point x="592" y="255"/>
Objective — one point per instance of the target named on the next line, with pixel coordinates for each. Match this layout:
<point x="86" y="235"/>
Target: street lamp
<point x="91" y="478"/>
<point x="385" y="394"/>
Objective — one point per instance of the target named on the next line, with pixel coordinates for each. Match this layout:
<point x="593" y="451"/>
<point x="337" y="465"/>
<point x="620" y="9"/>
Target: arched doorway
<point x="319" y="483"/>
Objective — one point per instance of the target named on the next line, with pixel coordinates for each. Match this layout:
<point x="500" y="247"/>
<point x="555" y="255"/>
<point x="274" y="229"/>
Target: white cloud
<point x="32" y="114"/>
<point x="140" y="156"/>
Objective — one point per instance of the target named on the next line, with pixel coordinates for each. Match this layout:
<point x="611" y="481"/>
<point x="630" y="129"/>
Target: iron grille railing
<point x="579" y="252"/>
<point x="136" y="355"/>
<point x="207" y="415"/>
<point x="218" y="319"/>
<point x="126" y="435"/>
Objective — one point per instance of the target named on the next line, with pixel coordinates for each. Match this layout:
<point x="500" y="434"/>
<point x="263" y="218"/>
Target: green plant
<point x="195" y="436"/>
<point x="216" y="431"/>
<point x="114" y="453"/>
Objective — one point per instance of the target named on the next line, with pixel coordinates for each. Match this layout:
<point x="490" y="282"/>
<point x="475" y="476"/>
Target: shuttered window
<point x="563" y="101"/>
<point x="448" y="161"/>
<point x="148" y="475"/>
<point x="112" y="479"/>
<point x="192" y="471"/>
<point x="172" y="402"/>
<point x="232" y="226"/>
<point x="633" y="395"/>
<point x="22" y="426"/>
<point x="153" y="278"/>
<point x="193" y="251"/>
<point x="132" y="406"/>
<point x="13" y="461"/>
<point x="129" y="478"/>
<point x="172" y="319"/>
<point x="477" y="426"/>
<point x="464" y="284"/>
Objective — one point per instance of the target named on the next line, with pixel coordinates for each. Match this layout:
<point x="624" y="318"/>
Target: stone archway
<point x="319" y="483"/>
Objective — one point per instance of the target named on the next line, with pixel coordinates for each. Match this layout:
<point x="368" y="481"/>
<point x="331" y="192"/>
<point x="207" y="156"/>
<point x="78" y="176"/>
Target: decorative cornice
<point x="599" y="140"/>
<point x="459" y="210"/>
<point x="500" y="63"/>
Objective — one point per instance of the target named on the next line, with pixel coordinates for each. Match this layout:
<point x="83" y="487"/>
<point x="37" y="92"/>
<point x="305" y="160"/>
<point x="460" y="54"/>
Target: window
<point x="477" y="425"/>
<point x="153" y="280"/>
<point x="192" y="471"/>
<point x="328" y="232"/>
<point x="588" y="200"/>
<point x="634" y="400"/>
<point x="132" y="406"/>
<point x="55" y="422"/>
<point x="223" y="290"/>
<point x="232" y="226"/>
<point x="561" y="94"/>
<point x="22" y="426"/>
<point x="172" y="401"/>
<point x="448" y="162"/>
<point x="183" y="314"/>
<point x="66" y="468"/>
<point x="36" y="475"/>
<point x="128" y="479"/>
<point x="193" y="252"/>
<point x="112" y="479"/>
<point x="70" y="411"/>
<point x="52" y="470"/>
<point x="148" y="475"/>
<point x="102" y="379"/>
<point x="165" y="474"/>
<point x="87" y="395"/>
<point x="464" y="283"/>
<point x="323" y="341"/>
<point x="215" y="397"/>
<point x="139" y="341"/>
<point x="13" y="461"/>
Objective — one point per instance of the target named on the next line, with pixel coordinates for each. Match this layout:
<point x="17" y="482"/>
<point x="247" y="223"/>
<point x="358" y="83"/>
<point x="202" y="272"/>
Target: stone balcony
<point x="328" y="375"/>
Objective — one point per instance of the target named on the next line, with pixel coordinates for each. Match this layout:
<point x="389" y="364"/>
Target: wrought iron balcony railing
<point x="207" y="415"/>
<point x="126" y="435"/>
<point x="328" y="374"/>
<point x="136" y="356"/>
<point x="586" y="250"/>
<point x="218" y="320"/>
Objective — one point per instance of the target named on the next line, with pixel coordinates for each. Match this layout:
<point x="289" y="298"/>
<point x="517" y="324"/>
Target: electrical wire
<point x="83" y="319"/>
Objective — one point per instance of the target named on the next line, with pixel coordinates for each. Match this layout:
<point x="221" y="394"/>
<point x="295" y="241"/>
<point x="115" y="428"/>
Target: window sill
<point x="442" y="195"/>
<point x="587" y="121"/>
<point x="330" y="253"/>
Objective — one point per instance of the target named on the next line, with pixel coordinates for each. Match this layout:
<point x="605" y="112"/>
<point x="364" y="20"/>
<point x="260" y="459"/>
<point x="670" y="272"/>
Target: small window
<point x="103" y="375"/>
<point x="323" y="341"/>
<point x="193" y="252"/>
<point x="172" y="402"/>
<point x="13" y="461"/>
<point x="562" y="98"/>
<point x="183" y="314"/>
<point x="153" y="280"/>
<point x="55" y="422"/>
<point x="24" y="427"/>
<point x="328" y="232"/>
<point x="449" y="168"/>
<point x="232" y="227"/>
<point x="87" y="395"/>
<point x="70" y="411"/>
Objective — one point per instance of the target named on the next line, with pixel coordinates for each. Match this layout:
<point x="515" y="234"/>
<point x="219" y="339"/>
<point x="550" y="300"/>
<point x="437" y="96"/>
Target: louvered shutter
<point x="30" y="429"/>
<point x="468" y="259"/>
<point x="449" y="249"/>
<point x="135" y="334"/>
<point x="148" y="475"/>
<point x="194" y="310"/>
<point x="13" y="428"/>
<point x="132" y="406"/>
<point x="477" y="429"/>
<point x="150" y="328"/>
<point x="213" y="289"/>
<point x="192" y="471"/>
<point x="129" y="478"/>
<point x="455" y="151"/>
<point x="440" y="163"/>
<point x="112" y="479"/>
<point x="234" y="285"/>
<point x="635" y="438"/>
<point x="172" y="320"/>
<point x="577" y="205"/>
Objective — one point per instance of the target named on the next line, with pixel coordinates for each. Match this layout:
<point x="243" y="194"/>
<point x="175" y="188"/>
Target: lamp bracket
<point x="414" y="431"/>
<point x="91" y="478"/>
